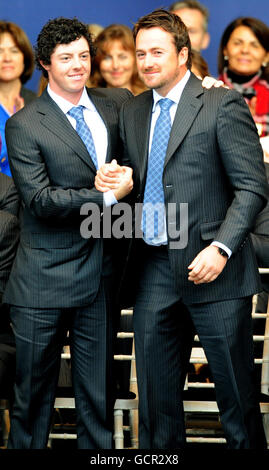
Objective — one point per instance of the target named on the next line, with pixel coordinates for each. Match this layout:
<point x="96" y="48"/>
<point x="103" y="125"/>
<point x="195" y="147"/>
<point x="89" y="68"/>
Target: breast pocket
<point x="199" y="147"/>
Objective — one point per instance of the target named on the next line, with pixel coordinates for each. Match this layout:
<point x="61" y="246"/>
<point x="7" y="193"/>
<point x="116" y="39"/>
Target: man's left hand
<point x="209" y="82"/>
<point x="207" y="265"/>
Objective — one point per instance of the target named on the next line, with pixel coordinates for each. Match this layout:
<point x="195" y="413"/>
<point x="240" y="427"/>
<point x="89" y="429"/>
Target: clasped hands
<point x="113" y="177"/>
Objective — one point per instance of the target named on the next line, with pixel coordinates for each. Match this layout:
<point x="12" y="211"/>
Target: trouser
<point x="164" y="327"/>
<point x="40" y="335"/>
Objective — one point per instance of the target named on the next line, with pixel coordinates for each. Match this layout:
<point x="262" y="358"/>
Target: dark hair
<point x="259" y="29"/>
<point x="192" y="5"/>
<point x="170" y="23"/>
<point x="59" y="31"/>
<point x="200" y="64"/>
<point x="114" y="32"/>
<point x="22" y="42"/>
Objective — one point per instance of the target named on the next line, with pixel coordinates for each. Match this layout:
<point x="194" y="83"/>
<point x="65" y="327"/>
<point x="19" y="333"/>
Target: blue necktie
<point x="84" y="132"/>
<point x="154" y="195"/>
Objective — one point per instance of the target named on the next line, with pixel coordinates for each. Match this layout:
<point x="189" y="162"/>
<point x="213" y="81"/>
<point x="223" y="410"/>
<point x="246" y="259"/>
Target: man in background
<point x="195" y="16"/>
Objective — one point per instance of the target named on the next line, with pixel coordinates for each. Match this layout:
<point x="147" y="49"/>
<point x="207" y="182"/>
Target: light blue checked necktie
<point x="84" y="131"/>
<point x="154" y="195"/>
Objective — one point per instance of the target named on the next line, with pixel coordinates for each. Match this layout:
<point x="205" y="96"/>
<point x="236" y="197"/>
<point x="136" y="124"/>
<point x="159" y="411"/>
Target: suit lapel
<point x="57" y="123"/>
<point x="187" y="110"/>
<point x="142" y="129"/>
<point x="108" y="111"/>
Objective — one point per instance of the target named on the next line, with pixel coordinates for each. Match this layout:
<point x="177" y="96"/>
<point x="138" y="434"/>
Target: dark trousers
<point x="40" y="335"/>
<point x="164" y="327"/>
<point x="7" y="353"/>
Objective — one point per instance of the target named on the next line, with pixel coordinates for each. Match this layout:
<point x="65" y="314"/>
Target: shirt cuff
<point x="109" y="198"/>
<point x="225" y="248"/>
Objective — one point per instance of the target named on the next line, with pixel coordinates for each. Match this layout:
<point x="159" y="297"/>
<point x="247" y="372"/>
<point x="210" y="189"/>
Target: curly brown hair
<point x="60" y="31"/>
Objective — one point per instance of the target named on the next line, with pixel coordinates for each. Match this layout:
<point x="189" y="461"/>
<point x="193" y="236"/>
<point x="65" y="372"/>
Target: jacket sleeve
<point x="9" y="202"/>
<point x="9" y="230"/>
<point x="242" y="158"/>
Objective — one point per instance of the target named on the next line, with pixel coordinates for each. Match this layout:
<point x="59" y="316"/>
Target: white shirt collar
<point x="174" y="94"/>
<point x="65" y="105"/>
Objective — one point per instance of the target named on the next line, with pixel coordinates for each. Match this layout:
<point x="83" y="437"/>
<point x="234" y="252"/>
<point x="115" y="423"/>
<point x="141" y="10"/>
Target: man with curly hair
<point x="61" y="281"/>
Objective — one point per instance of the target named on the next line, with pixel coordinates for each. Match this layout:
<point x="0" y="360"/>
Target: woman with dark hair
<point x="114" y="65"/>
<point x="16" y="67"/>
<point x="243" y="64"/>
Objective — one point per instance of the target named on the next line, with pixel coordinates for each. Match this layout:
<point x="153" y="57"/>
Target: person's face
<point x="194" y="21"/>
<point x="11" y="59"/>
<point x="69" y="69"/>
<point x="245" y="53"/>
<point x="117" y="66"/>
<point x="159" y="64"/>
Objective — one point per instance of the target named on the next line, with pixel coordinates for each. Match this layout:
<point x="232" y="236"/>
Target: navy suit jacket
<point x="9" y="236"/>
<point x="55" y="267"/>
<point x="214" y="163"/>
<point x="9" y="227"/>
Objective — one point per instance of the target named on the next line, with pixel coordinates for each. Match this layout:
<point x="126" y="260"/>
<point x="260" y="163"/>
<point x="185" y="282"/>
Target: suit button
<point x="168" y="185"/>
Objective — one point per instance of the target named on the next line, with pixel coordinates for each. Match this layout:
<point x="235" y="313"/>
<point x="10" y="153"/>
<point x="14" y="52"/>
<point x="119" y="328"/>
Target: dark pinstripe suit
<point x="213" y="163"/>
<point x="9" y="236"/>
<point x="59" y="280"/>
<point x="9" y="227"/>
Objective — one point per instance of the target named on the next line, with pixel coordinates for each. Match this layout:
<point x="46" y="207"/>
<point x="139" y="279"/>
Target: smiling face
<point x="159" y="64"/>
<point x="11" y="59"/>
<point x="117" y="66"/>
<point x="245" y="53"/>
<point x="69" y="69"/>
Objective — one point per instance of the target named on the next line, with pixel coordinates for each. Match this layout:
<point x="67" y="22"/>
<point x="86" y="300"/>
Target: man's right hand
<point x="112" y="176"/>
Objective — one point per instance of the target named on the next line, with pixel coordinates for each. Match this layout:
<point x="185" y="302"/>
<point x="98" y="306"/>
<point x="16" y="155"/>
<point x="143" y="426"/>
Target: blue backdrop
<point x="31" y="15"/>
